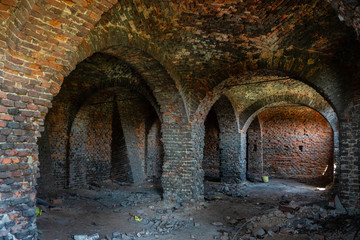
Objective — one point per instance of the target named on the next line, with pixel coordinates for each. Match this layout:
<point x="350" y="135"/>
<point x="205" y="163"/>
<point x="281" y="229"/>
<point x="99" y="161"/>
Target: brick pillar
<point x="132" y="122"/>
<point x="232" y="166"/>
<point x="21" y="118"/>
<point x="78" y="149"/>
<point x="182" y="178"/>
<point x="254" y="151"/>
<point x="349" y="157"/>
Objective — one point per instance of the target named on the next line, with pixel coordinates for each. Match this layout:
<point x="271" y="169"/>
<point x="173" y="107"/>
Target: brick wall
<point x="182" y="56"/>
<point x="78" y="155"/>
<point x="297" y="143"/>
<point x="349" y="156"/>
<point x="154" y="148"/>
<point x="120" y="164"/>
<point x="98" y="142"/>
<point x="56" y="142"/>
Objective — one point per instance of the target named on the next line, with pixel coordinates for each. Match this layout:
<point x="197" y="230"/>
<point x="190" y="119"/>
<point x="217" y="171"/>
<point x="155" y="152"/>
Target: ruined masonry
<point x="176" y="92"/>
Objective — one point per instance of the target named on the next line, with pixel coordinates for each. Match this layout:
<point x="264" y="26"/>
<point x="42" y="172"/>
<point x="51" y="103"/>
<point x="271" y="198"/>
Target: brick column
<point x="232" y="166"/>
<point x="132" y="122"/>
<point x="254" y="151"/>
<point x="21" y="118"/>
<point x="349" y="157"/>
<point x="182" y="178"/>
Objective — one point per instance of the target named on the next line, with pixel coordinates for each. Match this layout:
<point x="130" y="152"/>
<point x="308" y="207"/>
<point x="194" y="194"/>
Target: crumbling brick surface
<point x="181" y="52"/>
<point x="349" y="157"/>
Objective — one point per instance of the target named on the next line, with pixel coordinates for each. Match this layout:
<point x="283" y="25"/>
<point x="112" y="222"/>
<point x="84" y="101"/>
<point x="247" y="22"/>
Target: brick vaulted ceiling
<point x="199" y="43"/>
<point x="183" y="56"/>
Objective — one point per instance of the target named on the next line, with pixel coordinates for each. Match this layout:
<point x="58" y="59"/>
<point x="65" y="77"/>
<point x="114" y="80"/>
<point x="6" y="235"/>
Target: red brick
<point x="9" y="2"/>
<point x="6" y="117"/>
<point x="6" y="161"/>
<point x="3" y="109"/>
<point x="3" y="124"/>
<point x="55" y="23"/>
<point x="4" y="8"/>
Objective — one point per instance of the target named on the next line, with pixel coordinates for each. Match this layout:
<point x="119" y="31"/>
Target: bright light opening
<point x="320" y="189"/>
<point x="325" y="170"/>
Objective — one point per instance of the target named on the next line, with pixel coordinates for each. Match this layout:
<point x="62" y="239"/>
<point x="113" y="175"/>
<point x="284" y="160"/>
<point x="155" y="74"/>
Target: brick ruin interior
<point x="176" y="92"/>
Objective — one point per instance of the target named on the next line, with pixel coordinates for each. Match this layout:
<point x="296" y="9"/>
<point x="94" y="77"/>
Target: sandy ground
<point x="110" y="208"/>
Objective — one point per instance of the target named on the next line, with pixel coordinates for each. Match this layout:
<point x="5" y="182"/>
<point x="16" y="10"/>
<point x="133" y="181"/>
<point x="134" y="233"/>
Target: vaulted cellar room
<point x="179" y="119"/>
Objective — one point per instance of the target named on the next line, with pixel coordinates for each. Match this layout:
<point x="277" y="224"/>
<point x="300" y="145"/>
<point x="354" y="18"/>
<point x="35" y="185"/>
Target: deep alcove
<point x="293" y="142"/>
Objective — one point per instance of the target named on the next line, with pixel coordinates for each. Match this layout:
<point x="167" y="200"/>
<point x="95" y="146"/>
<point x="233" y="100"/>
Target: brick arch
<point x="324" y="108"/>
<point x="174" y="118"/>
<point x="50" y="68"/>
<point x="207" y="102"/>
<point x="68" y="44"/>
<point x="246" y="117"/>
<point x="328" y="138"/>
<point x="108" y="37"/>
<point x="116" y="73"/>
<point x="42" y="36"/>
<point x="221" y="89"/>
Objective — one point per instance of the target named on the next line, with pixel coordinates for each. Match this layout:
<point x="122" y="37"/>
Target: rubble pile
<point x="294" y="220"/>
<point x="163" y="225"/>
<point x="152" y="227"/>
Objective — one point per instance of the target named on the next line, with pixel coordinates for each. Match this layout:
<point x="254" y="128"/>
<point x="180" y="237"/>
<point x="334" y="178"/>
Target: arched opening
<point x="291" y="142"/>
<point x="103" y="142"/>
<point x="211" y="161"/>
<point x="114" y="135"/>
<point x="109" y="139"/>
<point x="104" y="124"/>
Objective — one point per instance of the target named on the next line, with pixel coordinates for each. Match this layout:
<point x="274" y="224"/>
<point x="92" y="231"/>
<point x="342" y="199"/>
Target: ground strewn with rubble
<point x="275" y="210"/>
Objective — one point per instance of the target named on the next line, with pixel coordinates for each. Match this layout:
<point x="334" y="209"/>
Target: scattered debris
<point x="259" y="215"/>
<point x="289" y="220"/>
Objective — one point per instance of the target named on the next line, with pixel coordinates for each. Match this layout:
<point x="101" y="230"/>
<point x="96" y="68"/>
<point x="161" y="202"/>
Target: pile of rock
<point x="162" y="225"/>
<point x="152" y="227"/>
<point x="285" y="220"/>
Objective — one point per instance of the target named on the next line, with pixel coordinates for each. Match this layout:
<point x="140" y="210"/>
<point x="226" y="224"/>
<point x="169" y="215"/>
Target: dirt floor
<point x="243" y="211"/>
